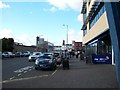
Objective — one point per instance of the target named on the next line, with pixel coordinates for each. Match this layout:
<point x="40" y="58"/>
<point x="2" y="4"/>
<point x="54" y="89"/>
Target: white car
<point x="8" y="54"/>
<point x="34" y="56"/>
<point x="27" y="53"/>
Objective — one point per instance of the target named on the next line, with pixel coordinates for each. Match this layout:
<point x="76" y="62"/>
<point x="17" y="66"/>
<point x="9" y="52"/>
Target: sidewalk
<point x="82" y="75"/>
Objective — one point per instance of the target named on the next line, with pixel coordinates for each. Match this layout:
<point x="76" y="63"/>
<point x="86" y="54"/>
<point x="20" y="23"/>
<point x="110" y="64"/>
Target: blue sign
<point x="102" y="59"/>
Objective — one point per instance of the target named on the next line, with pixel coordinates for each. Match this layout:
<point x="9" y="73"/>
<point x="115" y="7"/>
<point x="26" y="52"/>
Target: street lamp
<point x="67" y="33"/>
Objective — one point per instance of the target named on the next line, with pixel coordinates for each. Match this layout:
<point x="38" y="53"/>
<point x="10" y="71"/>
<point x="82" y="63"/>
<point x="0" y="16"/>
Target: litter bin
<point x="65" y="63"/>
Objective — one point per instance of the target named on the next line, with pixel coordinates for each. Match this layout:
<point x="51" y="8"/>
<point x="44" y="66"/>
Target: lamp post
<point x="67" y="34"/>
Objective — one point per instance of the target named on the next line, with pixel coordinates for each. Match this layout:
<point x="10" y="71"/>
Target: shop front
<point x="99" y="50"/>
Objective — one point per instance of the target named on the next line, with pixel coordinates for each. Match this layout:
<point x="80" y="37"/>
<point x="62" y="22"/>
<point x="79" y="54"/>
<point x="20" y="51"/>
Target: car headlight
<point x="29" y="57"/>
<point x="50" y="61"/>
<point x="36" y="62"/>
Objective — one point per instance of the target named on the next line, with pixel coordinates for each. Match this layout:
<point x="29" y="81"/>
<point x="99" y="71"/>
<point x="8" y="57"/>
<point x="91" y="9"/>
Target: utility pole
<point x="66" y="35"/>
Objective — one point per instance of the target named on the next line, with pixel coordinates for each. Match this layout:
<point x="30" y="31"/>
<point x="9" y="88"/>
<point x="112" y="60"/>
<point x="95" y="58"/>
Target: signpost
<point x="102" y="59"/>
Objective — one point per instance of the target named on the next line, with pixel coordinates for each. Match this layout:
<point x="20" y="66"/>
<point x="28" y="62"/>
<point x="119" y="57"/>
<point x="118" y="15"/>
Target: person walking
<point x="76" y="53"/>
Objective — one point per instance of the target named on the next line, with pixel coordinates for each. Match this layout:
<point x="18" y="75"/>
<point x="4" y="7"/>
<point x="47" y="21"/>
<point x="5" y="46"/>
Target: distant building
<point x="69" y="46"/>
<point x="50" y="46"/>
<point x="57" y="48"/>
<point x="77" y="45"/>
<point x="19" y="47"/>
<point x="43" y="46"/>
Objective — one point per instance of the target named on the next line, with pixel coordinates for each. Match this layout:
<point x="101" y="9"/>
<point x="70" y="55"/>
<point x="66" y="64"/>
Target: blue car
<point x="45" y="62"/>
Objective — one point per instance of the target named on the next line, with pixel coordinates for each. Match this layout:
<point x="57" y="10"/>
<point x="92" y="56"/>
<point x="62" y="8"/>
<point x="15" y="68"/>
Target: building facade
<point x="96" y="35"/>
<point x="77" y="46"/>
<point x="57" y="48"/>
<point x="19" y="47"/>
<point x="43" y="46"/>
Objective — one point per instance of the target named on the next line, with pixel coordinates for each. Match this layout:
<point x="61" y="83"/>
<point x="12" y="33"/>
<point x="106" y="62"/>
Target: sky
<point x="25" y="20"/>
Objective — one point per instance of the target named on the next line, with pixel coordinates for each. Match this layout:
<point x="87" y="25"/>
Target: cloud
<point x="53" y="9"/>
<point x="25" y="39"/>
<point x="79" y="18"/>
<point x="30" y="12"/>
<point x="75" y="5"/>
<point x="58" y="4"/>
<point x="6" y="33"/>
<point x="2" y="5"/>
<point x="71" y="32"/>
<point x="64" y="4"/>
<point x="21" y="38"/>
<point x="74" y="35"/>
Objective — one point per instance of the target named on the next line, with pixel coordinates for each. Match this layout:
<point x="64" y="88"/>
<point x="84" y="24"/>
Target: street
<point x="20" y="73"/>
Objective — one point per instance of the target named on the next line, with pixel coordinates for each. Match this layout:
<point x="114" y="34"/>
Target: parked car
<point x="27" y="53"/>
<point x="34" y="56"/>
<point x="45" y="62"/>
<point x="5" y="55"/>
<point x="19" y="54"/>
<point x="8" y="54"/>
<point x="12" y="55"/>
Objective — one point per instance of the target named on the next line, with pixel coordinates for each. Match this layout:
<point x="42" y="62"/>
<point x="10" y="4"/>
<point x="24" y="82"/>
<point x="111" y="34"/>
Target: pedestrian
<point x="76" y="53"/>
<point x="70" y="53"/>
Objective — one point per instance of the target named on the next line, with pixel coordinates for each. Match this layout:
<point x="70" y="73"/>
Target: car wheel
<point x="36" y="68"/>
<point x="29" y="60"/>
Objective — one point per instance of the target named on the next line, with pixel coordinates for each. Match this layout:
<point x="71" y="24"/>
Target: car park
<point x="45" y="62"/>
<point x="34" y="56"/>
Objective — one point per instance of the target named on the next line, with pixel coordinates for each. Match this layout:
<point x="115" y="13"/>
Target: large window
<point x="104" y="46"/>
<point x="99" y="46"/>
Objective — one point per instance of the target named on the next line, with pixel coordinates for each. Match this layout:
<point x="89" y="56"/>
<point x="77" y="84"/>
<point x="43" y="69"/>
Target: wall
<point x="22" y="48"/>
<point x="99" y="27"/>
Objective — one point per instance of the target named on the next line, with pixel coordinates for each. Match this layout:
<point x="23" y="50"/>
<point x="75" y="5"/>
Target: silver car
<point x="34" y="56"/>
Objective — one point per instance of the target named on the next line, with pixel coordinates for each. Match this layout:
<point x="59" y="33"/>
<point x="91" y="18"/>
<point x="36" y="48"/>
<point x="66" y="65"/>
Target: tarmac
<point x="82" y="75"/>
<point x="79" y="75"/>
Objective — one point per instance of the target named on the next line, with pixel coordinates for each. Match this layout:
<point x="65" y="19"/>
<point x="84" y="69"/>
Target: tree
<point x="7" y="44"/>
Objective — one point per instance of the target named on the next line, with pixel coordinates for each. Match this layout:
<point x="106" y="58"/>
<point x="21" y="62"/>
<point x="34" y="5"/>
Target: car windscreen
<point x="44" y="57"/>
<point x="36" y="53"/>
<point x="56" y="54"/>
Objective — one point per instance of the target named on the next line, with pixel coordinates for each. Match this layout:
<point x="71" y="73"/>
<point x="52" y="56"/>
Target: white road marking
<point x="12" y="77"/>
<point x="29" y="69"/>
<point x="25" y="71"/>
<point x="19" y="74"/>
<point x="53" y="72"/>
<point x="6" y="81"/>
